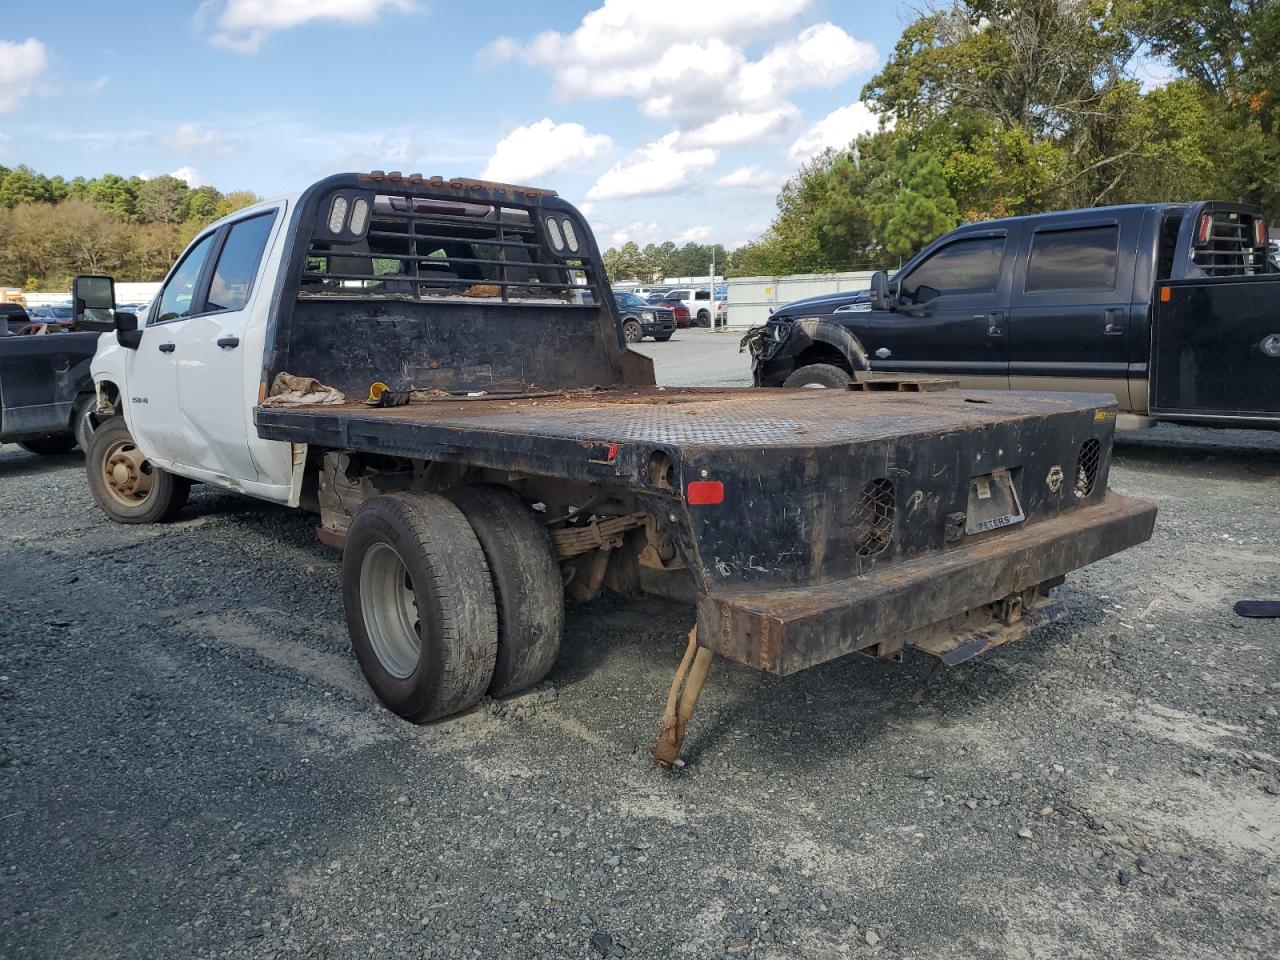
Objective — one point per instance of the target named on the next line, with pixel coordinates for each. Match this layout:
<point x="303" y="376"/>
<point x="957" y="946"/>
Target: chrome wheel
<point x="632" y="333"/>
<point x="390" y="610"/>
<point x="129" y="476"/>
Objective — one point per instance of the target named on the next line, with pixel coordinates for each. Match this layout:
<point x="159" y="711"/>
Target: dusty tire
<point x="49" y="446"/>
<point x="632" y="332"/>
<point x="664" y="338"/>
<point x="819" y="375"/>
<point x="84" y="420"/>
<point x="419" y="605"/>
<point x="526" y="584"/>
<point x="704" y="318"/>
<point x="126" y="486"/>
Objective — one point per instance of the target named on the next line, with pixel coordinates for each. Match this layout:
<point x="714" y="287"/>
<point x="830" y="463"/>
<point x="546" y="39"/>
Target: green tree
<point x="114" y="194"/>
<point x="162" y="200"/>
<point x="921" y="210"/>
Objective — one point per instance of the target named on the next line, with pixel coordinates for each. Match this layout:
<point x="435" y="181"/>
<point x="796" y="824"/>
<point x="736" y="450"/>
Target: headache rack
<point x="448" y="250"/>
<point x="1226" y="243"/>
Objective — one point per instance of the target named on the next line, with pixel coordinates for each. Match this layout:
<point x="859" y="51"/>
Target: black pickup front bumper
<point x="785" y="630"/>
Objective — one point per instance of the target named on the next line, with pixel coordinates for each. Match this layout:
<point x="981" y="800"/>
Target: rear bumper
<point x="783" y="631"/>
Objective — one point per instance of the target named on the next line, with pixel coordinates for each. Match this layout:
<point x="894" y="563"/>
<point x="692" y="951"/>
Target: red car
<point x="678" y="309"/>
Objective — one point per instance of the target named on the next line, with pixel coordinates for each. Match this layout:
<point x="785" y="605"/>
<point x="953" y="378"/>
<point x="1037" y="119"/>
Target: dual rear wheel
<point x="450" y="597"/>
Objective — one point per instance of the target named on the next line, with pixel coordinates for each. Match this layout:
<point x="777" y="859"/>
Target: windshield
<point x="629" y="300"/>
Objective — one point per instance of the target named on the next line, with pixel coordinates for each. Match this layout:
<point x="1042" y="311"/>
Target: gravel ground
<point x="191" y="766"/>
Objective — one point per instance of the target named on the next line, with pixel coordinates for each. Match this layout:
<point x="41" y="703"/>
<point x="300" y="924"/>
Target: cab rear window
<point x="1080" y="259"/>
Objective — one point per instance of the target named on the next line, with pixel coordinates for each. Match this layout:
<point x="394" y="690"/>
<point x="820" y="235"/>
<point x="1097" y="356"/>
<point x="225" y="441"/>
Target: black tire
<point x="632" y="332"/>
<point x="662" y="339"/>
<point x="704" y="318"/>
<point x="446" y="603"/>
<point x="84" y="420"/>
<point x="526" y="584"/>
<point x="819" y="375"/>
<point x="165" y="493"/>
<point x="49" y="446"/>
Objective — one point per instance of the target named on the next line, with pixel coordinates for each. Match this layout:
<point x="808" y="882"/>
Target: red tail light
<point x="1259" y="232"/>
<point x="705" y="492"/>
<point x="1206" y="229"/>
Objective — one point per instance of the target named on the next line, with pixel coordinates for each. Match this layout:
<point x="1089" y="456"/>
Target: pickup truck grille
<point x="662" y="316"/>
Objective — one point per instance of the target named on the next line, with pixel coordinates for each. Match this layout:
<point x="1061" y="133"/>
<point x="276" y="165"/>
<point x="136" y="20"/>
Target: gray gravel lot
<point x="191" y="766"/>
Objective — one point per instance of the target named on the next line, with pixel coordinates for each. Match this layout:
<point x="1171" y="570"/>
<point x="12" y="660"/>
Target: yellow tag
<point x="1100" y="415"/>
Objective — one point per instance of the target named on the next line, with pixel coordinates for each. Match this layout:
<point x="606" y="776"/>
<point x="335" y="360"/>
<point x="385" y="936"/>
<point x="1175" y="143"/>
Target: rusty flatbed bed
<point x="704" y="417"/>
<point x="780" y="587"/>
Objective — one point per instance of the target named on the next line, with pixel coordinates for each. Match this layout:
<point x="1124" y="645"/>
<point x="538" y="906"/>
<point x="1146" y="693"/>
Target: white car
<point x="697" y="301"/>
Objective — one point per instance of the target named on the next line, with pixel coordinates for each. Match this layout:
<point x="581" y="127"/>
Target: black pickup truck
<point x="439" y="371"/>
<point x="1172" y="308"/>
<point x="46" y="392"/>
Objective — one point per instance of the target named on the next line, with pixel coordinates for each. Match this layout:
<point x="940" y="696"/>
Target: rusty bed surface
<point x="708" y="416"/>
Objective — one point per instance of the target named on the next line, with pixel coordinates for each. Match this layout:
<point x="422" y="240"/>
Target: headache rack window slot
<point x="494" y="253"/>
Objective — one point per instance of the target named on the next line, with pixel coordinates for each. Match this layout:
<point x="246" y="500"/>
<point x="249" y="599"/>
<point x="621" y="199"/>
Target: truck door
<point x="211" y="354"/>
<point x="951" y="317"/>
<point x="1070" y="312"/>
<point x="151" y="372"/>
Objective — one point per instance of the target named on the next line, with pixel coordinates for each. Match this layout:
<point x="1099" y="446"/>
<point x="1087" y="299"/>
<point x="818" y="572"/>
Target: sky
<point x="661" y="120"/>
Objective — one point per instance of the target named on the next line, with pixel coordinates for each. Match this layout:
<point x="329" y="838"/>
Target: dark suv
<point x="641" y="319"/>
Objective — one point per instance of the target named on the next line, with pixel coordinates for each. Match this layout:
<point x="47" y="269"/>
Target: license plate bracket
<point x="993" y="502"/>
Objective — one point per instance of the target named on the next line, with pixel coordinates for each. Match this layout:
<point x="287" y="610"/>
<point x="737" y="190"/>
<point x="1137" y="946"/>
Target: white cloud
<point x="657" y="167"/>
<point x="98" y="85"/>
<point x="687" y="62"/>
<point x="752" y="178"/>
<point x="542" y="148"/>
<point x="739" y="127"/>
<point x="639" y="231"/>
<point x="243" y="25"/>
<point x="21" y="66"/>
<point x="837" y="129"/>
<point x="189" y="174"/>
<point x="193" y="138"/>
<point x="821" y="56"/>
<point x="693" y="235"/>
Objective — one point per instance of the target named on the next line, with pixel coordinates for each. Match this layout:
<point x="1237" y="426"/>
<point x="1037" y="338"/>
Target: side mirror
<point x="95" y="302"/>
<point x="883" y="293"/>
<point x="127" y="331"/>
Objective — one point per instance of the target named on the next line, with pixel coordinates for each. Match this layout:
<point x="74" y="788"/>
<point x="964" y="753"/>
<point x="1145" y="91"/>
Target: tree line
<point x="994" y="108"/>
<point x="130" y="227"/>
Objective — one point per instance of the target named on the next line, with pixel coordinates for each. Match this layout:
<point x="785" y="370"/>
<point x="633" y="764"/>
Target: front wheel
<point x="819" y="376"/>
<point x="662" y="339"/>
<point x="126" y="485"/>
<point x="631" y="332"/>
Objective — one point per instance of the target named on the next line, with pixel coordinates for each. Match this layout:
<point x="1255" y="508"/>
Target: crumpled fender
<point x="819" y="330"/>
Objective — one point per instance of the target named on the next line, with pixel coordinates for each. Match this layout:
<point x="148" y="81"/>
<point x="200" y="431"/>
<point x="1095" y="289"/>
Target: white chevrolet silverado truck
<point x="438" y="370"/>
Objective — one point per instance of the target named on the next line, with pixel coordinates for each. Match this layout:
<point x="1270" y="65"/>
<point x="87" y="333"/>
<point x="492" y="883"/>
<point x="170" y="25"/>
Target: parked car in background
<point x="14" y="316"/>
<point x="678" y="310"/>
<point x="1174" y="308"/>
<point x="52" y="313"/>
<point x="642" y="319"/>
<point x="647" y="292"/>
<point x="697" y="302"/>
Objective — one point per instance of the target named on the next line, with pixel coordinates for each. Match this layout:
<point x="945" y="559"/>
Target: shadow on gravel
<point x="841" y="706"/>
<point x="19" y="463"/>
<point x="1256" y="450"/>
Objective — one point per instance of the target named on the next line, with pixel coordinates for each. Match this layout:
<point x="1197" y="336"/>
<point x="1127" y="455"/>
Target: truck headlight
<point x="646" y="315"/>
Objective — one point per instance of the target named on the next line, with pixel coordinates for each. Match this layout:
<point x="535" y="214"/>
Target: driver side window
<point x="965" y="267"/>
<point x="178" y="298"/>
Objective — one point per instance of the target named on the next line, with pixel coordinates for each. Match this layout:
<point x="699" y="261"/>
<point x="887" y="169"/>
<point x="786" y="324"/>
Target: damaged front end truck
<point x="454" y="399"/>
